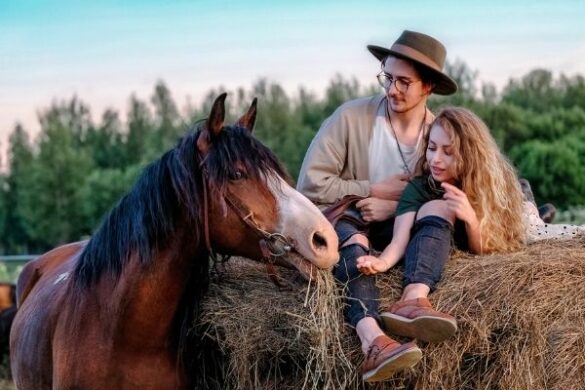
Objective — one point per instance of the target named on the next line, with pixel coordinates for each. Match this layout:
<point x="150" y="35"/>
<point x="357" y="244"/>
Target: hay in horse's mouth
<point x="294" y="260"/>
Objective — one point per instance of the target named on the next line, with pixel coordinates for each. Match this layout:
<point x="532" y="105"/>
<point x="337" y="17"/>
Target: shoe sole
<point x="402" y="361"/>
<point x="425" y="328"/>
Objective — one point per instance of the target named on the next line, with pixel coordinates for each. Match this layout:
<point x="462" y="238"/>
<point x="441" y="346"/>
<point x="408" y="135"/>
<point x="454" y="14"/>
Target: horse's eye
<point x="238" y="175"/>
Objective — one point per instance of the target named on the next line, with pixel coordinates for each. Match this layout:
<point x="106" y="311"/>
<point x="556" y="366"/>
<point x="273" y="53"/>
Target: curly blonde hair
<point x="486" y="176"/>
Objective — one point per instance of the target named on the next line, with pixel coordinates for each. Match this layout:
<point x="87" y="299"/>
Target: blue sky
<point x="103" y="51"/>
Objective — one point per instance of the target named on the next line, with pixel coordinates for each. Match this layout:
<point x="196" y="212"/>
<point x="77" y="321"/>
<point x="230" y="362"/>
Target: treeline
<point x="58" y="186"/>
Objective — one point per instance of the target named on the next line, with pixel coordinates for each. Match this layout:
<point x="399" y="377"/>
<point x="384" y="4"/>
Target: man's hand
<point x="390" y="188"/>
<point x="375" y="209"/>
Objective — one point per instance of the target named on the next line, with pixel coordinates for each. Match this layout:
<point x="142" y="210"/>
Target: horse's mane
<point x="168" y="190"/>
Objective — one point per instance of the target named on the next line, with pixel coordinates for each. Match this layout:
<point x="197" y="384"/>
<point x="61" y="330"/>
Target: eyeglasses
<point x="386" y="81"/>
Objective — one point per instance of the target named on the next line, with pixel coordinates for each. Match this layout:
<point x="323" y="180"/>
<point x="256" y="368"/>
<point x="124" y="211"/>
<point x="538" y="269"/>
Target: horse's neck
<point x="151" y="295"/>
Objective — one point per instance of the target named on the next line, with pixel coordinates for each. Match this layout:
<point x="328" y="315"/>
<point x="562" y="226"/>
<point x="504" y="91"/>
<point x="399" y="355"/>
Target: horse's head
<point x="252" y="210"/>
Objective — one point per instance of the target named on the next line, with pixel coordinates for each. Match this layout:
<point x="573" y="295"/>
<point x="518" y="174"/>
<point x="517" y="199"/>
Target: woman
<point x="465" y="191"/>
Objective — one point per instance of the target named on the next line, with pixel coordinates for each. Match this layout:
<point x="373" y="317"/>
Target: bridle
<point x="272" y="245"/>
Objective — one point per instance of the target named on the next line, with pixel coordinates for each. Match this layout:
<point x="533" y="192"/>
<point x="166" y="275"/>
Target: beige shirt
<point x="336" y="163"/>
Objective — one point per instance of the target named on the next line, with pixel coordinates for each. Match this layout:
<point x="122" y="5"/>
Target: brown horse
<point x="115" y="312"/>
<point x="7" y="312"/>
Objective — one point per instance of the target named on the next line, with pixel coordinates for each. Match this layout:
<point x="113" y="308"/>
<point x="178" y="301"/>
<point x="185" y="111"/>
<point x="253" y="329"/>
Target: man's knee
<point x="359" y="239"/>
<point x="436" y="208"/>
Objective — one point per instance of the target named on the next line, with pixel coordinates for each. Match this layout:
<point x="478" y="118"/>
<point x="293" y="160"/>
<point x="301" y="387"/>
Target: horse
<point x="115" y="312"/>
<point x="7" y="313"/>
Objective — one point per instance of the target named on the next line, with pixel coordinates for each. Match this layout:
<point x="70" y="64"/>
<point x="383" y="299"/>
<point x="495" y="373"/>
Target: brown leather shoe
<point x="416" y="318"/>
<point x="387" y="356"/>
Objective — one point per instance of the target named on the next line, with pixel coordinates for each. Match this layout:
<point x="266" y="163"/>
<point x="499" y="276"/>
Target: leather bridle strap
<point x="269" y="241"/>
<point x="206" y="212"/>
<point x="277" y="244"/>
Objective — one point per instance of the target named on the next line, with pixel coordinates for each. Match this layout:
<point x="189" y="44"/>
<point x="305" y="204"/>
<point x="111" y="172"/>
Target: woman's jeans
<point x="424" y="260"/>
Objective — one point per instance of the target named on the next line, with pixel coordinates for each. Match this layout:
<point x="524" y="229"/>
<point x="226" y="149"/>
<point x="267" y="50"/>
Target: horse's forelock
<point x="235" y="147"/>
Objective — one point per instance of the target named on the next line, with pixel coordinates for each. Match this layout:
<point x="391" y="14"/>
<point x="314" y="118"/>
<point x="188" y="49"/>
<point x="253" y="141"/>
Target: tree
<point x="340" y="91"/>
<point x="105" y="144"/>
<point x="16" y="190"/>
<point x="100" y="192"/>
<point x="52" y="207"/>
<point x="467" y="91"/>
<point x="168" y="126"/>
<point x="140" y="130"/>
<point x="556" y="170"/>
<point x="536" y="91"/>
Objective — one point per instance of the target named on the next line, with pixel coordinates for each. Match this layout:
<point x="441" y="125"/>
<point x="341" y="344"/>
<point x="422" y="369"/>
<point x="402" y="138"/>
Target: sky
<point x="105" y="51"/>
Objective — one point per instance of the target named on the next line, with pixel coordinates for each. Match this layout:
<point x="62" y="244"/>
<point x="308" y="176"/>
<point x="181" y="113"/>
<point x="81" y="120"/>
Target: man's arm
<point x="320" y="176"/>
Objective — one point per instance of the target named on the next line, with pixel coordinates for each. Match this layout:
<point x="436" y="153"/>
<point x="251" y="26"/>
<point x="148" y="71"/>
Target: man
<point x="368" y="147"/>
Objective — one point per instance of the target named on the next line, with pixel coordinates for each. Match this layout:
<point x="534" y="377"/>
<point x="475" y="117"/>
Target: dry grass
<point x="521" y="318"/>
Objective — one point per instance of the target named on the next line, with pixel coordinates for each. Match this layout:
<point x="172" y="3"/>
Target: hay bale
<point x="521" y="326"/>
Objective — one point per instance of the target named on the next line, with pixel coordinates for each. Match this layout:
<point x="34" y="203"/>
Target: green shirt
<point x="418" y="192"/>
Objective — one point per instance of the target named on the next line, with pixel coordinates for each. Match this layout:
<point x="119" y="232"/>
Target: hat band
<point x="415" y="55"/>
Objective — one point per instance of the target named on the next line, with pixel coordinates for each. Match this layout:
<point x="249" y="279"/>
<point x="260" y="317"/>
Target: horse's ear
<point x="248" y="120"/>
<point x="213" y="125"/>
<point x="217" y="115"/>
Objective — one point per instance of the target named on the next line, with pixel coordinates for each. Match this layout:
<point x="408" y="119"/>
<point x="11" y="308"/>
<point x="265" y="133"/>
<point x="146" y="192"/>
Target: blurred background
<point x="90" y="92"/>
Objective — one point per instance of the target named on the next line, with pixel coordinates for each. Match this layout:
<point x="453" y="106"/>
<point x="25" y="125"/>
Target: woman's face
<point x="440" y="156"/>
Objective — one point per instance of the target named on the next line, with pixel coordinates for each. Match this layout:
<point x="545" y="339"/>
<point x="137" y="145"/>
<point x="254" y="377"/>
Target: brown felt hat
<point x="424" y="50"/>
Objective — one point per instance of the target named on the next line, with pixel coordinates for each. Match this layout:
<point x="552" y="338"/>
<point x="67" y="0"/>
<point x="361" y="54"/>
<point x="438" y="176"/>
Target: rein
<point x="272" y="245"/>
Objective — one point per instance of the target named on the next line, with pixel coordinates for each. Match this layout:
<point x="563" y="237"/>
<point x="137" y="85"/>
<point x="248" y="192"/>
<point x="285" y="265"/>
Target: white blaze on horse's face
<point x="299" y="219"/>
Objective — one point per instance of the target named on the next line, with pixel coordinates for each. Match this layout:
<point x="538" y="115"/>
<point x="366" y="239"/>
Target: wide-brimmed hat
<point x="424" y="50"/>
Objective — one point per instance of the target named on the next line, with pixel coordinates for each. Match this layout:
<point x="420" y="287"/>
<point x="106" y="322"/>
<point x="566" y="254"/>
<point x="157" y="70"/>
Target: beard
<point x="401" y="106"/>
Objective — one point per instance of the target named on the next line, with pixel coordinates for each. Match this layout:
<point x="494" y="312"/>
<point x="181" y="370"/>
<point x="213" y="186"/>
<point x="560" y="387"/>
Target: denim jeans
<point x="425" y="257"/>
<point x="360" y="290"/>
<point x="427" y="251"/>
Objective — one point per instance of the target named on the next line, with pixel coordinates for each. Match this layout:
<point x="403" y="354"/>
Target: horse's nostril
<point x="319" y="241"/>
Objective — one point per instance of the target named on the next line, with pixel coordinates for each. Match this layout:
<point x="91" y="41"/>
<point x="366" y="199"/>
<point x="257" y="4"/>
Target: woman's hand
<point x="370" y="265"/>
<point x="458" y="204"/>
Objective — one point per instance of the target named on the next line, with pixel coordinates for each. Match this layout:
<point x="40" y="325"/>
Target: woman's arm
<point x="458" y="203"/>
<point x="474" y="237"/>
<point x="370" y="265"/>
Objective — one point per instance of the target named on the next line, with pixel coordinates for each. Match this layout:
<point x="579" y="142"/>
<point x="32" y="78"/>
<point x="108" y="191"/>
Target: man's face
<point x="416" y="93"/>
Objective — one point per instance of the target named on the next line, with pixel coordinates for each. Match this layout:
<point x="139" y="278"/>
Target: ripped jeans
<point x="425" y="257"/>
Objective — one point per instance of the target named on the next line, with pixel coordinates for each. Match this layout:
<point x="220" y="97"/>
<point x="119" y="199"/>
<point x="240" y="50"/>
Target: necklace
<point x="405" y="165"/>
<point x="435" y="189"/>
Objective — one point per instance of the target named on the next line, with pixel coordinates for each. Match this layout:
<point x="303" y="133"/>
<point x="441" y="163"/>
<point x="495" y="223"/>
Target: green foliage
<point x="101" y="190"/>
<point x="554" y="169"/>
<point x="51" y="204"/>
<point x="15" y="189"/>
<point x="536" y="91"/>
<point x="59" y="187"/>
